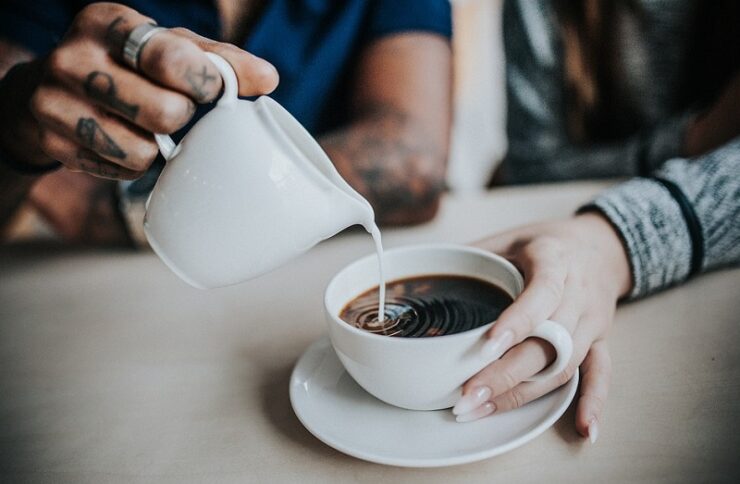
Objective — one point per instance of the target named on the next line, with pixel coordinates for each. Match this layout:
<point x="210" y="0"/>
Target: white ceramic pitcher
<point x="245" y="191"/>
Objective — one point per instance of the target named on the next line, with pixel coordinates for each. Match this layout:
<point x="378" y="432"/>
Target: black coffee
<point x="432" y="305"/>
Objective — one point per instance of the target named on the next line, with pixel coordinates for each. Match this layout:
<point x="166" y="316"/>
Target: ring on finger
<point x="136" y="41"/>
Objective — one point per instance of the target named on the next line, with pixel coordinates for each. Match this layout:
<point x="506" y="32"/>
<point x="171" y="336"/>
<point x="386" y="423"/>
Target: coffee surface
<point x="430" y="305"/>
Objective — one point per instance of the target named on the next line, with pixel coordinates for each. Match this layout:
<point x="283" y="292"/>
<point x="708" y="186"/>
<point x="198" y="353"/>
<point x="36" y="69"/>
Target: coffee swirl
<point x="428" y="306"/>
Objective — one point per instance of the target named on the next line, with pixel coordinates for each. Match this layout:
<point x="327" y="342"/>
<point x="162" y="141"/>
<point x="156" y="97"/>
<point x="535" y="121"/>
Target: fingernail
<point x="472" y="400"/>
<point x="495" y="347"/>
<point x="593" y="431"/>
<point x="480" y="412"/>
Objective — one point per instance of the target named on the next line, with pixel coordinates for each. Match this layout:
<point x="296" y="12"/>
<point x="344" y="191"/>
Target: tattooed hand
<point x="90" y="111"/>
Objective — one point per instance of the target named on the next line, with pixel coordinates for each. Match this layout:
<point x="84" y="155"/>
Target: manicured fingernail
<point x="480" y="412"/>
<point x="495" y="347"/>
<point x="593" y="431"/>
<point x="472" y="400"/>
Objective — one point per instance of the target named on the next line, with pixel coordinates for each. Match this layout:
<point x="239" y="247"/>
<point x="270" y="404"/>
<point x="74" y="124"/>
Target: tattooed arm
<point x="394" y="151"/>
<point x="84" y="107"/>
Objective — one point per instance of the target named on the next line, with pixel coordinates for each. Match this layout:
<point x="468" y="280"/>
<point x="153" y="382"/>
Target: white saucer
<point x="340" y="413"/>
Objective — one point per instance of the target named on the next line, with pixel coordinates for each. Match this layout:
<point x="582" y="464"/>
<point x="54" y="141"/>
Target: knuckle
<point x="39" y="103"/>
<point x="553" y="284"/>
<point x="185" y="32"/>
<point x="564" y="376"/>
<point x="86" y="17"/>
<point x="547" y="244"/>
<point x="67" y="62"/>
<point x="517" y="399"/>
<point x="181" y="30"/>
<point x="526" y="320"/>
<point x="59" y="61"/>
<point x="169" y="59"/>
<point x="48" y="142"/>
<point x="504" y="380"/>
<point x="509" y="401"/>
<point x="94" y="14"/>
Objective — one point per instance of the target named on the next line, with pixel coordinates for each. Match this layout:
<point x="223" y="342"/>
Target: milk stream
<point x="375" y="233"/>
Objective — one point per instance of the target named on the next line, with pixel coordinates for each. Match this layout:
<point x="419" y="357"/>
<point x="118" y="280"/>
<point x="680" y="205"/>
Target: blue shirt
<point x="314" y="44"/>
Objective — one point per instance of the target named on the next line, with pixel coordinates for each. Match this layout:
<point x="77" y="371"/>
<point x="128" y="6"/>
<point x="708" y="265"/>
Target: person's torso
<point x="312" y="43"/>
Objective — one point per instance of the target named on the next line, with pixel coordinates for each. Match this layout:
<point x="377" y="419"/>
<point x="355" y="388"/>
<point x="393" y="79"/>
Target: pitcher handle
<point x="166" y="144"/>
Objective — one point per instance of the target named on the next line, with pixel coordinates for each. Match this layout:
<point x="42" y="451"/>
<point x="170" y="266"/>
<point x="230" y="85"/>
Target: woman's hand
<point x="574" y="271"/>
<point x="93" y="113"/>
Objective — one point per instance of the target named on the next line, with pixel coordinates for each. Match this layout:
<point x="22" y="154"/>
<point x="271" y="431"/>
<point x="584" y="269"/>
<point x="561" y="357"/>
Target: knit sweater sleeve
<point x="654" y="230"/>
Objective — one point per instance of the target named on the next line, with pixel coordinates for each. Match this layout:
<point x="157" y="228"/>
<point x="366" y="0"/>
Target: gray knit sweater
<point x="646" y="214"/>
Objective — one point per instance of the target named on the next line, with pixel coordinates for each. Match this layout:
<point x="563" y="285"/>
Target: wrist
<point x="599" y="229"/>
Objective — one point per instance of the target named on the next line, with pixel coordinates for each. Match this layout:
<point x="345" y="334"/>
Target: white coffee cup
<point x="425" y="373"/>
<point x="246" y="190"/>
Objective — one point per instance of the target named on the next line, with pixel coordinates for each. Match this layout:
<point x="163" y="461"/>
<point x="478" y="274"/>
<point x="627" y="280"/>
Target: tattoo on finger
<point x="95" y="165"/>
<point x="198" y="81"/>
<point x="116" y="34"/>
<point x="98" y="166"/>
<point x="101" y="87"/>
<point x="94" y="137"/>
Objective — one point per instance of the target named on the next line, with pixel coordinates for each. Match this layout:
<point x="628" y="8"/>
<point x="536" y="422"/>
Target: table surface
<point x="113" y="370"/>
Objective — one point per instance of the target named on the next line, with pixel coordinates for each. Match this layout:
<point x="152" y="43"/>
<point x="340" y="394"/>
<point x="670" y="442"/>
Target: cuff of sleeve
<point x="653" y="230"/>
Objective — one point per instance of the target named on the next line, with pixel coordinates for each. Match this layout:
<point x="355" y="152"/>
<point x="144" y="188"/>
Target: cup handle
<point x="229" y="97"/>
<point x="555" y="334"/>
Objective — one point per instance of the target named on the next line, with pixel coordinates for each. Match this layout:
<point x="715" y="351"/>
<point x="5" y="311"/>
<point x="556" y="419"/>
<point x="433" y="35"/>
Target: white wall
<point x="478" y="134"/>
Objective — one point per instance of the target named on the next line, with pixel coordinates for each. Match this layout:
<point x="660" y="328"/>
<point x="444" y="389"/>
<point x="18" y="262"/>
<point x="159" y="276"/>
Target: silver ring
<point x="136" y="41"/>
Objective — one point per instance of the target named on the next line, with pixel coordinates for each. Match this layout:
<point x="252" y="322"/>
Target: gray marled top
<point x="645" y="213"/>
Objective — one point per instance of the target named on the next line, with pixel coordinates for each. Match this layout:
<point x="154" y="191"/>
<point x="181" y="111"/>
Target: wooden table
<point x="113" y="370"/>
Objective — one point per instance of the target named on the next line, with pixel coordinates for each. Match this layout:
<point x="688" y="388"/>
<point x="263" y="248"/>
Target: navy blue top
<point x="314" y="44"/>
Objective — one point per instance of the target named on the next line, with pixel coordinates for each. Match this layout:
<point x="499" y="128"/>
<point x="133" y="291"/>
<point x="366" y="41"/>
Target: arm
<point x="395" y="150"/>
<point x="575" y="270"/>
<point x="654" y="229"/>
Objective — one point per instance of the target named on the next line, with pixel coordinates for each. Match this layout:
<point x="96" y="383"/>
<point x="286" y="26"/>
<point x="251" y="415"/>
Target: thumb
<point x="256" y="76"/>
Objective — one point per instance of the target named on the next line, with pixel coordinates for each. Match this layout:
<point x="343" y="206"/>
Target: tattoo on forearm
<point x="393" y="164"/>
<point x="100" y="87"/>
<point x="199" y="81"/>
<point x="92" y="136"/>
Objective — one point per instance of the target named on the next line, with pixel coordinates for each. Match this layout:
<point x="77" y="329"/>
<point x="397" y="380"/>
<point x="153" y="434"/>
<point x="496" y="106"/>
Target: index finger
<point x="545" y="272"/>
<point x="166" y="58"/>
<point x="179" y="64"/>
<point x="256" y="75"/>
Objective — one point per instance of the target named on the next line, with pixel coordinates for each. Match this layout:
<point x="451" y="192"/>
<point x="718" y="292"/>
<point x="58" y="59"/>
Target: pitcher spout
<point x="350" y="207"/>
